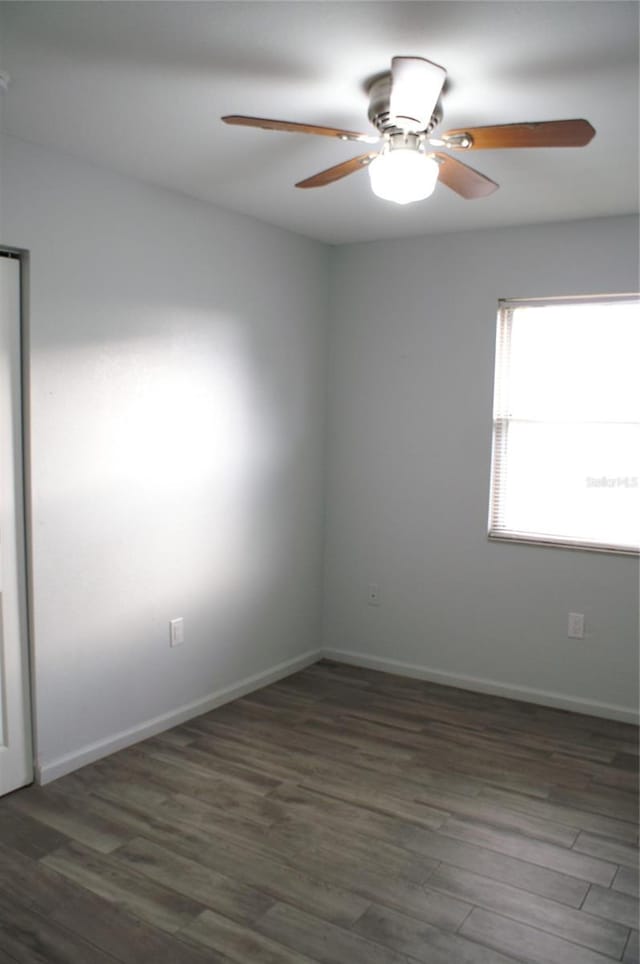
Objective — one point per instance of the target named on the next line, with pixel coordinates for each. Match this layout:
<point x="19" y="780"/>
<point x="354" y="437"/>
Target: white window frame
<point x="497" y="531"/>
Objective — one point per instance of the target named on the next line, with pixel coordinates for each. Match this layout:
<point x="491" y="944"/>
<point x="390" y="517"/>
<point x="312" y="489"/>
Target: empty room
<point x="319" y="482"/>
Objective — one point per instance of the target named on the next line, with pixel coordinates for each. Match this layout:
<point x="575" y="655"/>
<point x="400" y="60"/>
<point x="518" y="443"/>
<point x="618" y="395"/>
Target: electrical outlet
<point x="575" y="629"/>
<point x="176" y="631"/>
<point x="373" y="594"/>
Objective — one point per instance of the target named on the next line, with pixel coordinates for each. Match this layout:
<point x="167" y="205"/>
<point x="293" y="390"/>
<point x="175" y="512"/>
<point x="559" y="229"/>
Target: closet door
<point x="16" y="757"/>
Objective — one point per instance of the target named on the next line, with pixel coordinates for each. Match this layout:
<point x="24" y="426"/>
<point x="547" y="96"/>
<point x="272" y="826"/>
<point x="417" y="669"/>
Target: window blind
<point x="566" y="423"/>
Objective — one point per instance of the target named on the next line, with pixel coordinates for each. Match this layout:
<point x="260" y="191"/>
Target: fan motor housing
<point x="379" y="113"/>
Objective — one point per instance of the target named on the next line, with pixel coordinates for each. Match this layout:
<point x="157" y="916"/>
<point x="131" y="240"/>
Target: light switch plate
<point x="176" y="631"/>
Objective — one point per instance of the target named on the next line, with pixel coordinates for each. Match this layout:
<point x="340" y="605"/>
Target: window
<point x="566" y="423"/>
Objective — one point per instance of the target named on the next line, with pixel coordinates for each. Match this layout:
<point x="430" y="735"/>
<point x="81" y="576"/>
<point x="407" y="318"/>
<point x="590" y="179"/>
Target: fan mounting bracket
<point x="461" y="142"/>
<point x="380" y="115"/>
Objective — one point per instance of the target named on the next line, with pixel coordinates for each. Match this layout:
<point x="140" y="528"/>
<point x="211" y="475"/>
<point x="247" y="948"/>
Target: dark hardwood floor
<point x="340" y="816"/>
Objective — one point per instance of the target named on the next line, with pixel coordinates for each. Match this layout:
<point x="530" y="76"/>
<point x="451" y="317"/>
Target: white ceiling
<point x="140" y="87"/>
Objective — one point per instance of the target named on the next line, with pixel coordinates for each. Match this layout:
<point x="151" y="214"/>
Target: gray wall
<point x="411" y="375"/>
<point x="178" y="385"/>
<point x="177" y="430"/>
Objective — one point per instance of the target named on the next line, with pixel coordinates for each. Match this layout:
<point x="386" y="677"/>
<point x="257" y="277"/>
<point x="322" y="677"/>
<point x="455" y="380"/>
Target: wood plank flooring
<point x="341" y="816"/>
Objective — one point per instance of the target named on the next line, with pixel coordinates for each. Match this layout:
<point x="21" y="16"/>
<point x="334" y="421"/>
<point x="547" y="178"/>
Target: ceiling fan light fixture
<point x="403" y="175"/>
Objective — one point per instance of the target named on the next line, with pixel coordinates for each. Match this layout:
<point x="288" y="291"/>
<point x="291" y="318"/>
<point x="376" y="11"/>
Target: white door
<point x="16" y="757"/>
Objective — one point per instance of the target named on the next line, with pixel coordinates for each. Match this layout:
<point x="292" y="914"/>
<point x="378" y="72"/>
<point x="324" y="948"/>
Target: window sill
<point x="550" y="543"/>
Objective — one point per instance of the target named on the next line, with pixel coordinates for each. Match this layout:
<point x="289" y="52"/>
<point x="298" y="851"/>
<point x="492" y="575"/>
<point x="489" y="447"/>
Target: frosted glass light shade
<point x="403" y="175"/>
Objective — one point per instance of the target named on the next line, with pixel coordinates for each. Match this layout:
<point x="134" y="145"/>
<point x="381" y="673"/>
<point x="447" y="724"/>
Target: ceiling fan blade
<point x="562" y="133"/>
<point x="416" y="84"/>
<point x="463" y="179"/>
<point x="339" y="170"/>
<point x="277" y="125"/>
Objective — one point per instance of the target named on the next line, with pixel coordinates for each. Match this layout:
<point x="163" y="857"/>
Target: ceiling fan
<point x="405" y="107"/>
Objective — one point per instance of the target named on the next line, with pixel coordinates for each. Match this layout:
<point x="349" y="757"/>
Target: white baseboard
<point x="46" y="772"/>
<point x="609" y="711"/>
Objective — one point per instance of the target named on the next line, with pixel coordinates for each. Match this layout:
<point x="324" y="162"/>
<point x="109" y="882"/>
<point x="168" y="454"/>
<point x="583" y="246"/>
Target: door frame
<point x="24" y="528"/>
